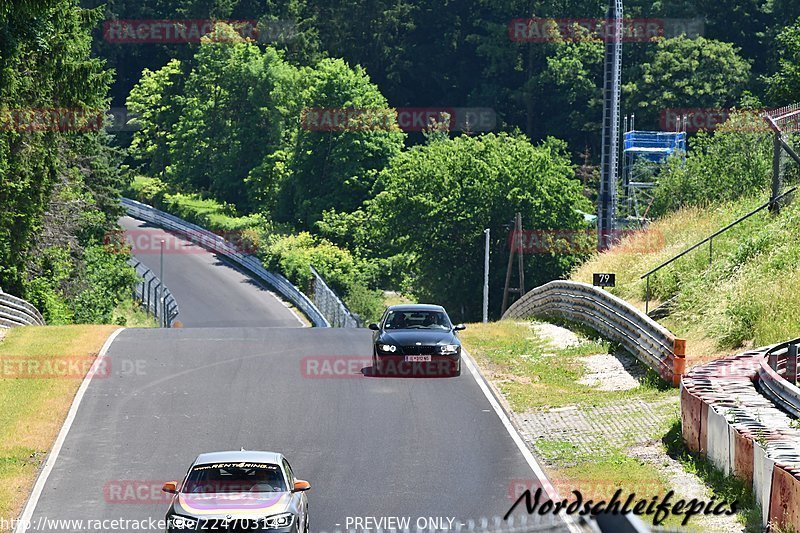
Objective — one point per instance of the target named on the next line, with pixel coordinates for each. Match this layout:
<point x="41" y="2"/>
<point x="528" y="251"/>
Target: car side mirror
<point x="459" y="327"/>
<point x="300" y="486"/>
<point x="170" y="487"/>
<point x="373" y="327"/>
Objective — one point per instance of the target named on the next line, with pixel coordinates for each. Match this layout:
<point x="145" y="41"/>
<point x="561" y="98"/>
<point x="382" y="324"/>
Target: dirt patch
<point x="686" y="486"/>
<point x="502" y="377"/>
<point x="610" y="372"/>
<point x="557" y="337"/>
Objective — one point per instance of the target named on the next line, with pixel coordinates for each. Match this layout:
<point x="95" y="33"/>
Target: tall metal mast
<point x="607" y="208"/>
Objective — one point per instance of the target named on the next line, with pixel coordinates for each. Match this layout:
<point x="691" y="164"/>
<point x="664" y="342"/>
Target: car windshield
<point x="417" y="320"/>
<point x="235" y="477"/>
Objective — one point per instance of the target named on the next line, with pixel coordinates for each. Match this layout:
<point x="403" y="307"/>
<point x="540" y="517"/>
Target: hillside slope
<point x="750" y="293"/>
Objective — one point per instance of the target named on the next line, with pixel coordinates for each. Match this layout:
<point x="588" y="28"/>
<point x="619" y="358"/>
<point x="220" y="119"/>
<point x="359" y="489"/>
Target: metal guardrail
<point x="777" y="374"/>
<point x="610" y="316"/>
<point x="329" y="303"/>
<point x="155" y="298"/>
<point x="217" y="244"/>
<point x="17" y="312"/>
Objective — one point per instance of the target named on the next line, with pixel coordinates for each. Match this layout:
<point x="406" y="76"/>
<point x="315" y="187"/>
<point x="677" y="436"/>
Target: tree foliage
<point x="784" y="85"/>
<point x="733" y="161"/>
<point x="687" y="73"/>
<point x="59" y="177"/>
<point x="336" y="169"/>
<point x="437" y="199"/>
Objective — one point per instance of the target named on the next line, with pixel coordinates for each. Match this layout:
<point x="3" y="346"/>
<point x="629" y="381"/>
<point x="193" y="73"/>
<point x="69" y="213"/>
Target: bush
<point x="109" y="280"/>
<point x="733" y="162"/>
<point x="346" y="274"/>
<point x="207" y="212"/>
<point x="84" y="290"/>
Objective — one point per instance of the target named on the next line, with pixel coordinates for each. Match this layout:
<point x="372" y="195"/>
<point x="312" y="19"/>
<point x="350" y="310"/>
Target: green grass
<point x="131" y="315"/>
<point x="728" y="488"/>
<point x="515" y="359"/>
<point x="206" y="212"/>
<point x="747" y="296"/>
<point x="34" y="409"/>
<point x="395" y="298"/>
<point x="532" y="375"/>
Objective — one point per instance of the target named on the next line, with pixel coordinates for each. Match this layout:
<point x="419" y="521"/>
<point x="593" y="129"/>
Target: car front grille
<point x="419" y="350"/>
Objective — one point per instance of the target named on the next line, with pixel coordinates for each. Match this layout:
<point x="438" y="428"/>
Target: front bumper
<point x="393" y="365"/>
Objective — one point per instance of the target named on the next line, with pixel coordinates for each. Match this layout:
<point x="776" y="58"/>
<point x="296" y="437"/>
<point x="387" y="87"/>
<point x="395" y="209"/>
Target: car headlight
<point x="449" y="349"/>
<point x="181" y="522"/>
<point x="278" y="521"/>
<point x="387" y="348"/>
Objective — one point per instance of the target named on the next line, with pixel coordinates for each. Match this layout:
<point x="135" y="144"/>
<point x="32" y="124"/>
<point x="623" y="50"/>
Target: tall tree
<point x="52" y="94"/>
<point x="784" y="85"/>
<point x="686" y="73"/>
<point x="438" y="198"/>
<point x="335" y="167"/>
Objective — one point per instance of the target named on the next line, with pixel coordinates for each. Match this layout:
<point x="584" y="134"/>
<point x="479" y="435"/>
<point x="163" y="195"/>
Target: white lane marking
<point x="30" y="506"/>
<point x="516" y="437"/>
<point x="291" y="310"/>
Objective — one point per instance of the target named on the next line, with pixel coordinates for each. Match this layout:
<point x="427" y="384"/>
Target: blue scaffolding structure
<point x="638" y="179"/>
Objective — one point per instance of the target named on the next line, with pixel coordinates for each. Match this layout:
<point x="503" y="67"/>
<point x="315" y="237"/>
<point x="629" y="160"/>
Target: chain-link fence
<point x="154" y="297"/>
<point x="331" y="306"/>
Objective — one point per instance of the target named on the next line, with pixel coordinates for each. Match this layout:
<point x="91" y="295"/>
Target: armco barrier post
<point x="678" y="361"/>
<point x="791" y="364"/>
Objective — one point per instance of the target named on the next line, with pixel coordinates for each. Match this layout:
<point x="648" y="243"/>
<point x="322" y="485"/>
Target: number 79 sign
<point x="604" y="279"/>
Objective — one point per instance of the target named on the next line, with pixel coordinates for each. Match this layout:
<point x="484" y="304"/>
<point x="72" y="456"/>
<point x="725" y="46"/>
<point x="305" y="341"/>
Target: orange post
<point x="678" y="361"/>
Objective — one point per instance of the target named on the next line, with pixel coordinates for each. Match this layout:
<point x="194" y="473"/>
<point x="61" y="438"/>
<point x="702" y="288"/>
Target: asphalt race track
<point x="209" y="290"/>
<point x="415" y="448"/>
<point x="368" y="446"/>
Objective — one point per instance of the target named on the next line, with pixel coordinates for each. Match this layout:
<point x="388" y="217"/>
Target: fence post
<point x="149" y="299"/>
<point x="777" y="177"/>
<point x="710" y="251"/>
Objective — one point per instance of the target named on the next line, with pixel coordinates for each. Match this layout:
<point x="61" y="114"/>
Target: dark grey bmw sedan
<point x="416" y="340"/>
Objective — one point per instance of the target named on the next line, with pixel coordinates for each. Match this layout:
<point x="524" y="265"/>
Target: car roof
<point x="416" y="307"/>
<point x="239" y="456"/>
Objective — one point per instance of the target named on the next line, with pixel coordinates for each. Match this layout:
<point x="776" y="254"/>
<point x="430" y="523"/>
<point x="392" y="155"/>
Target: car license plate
<point x="418" y="358"/>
